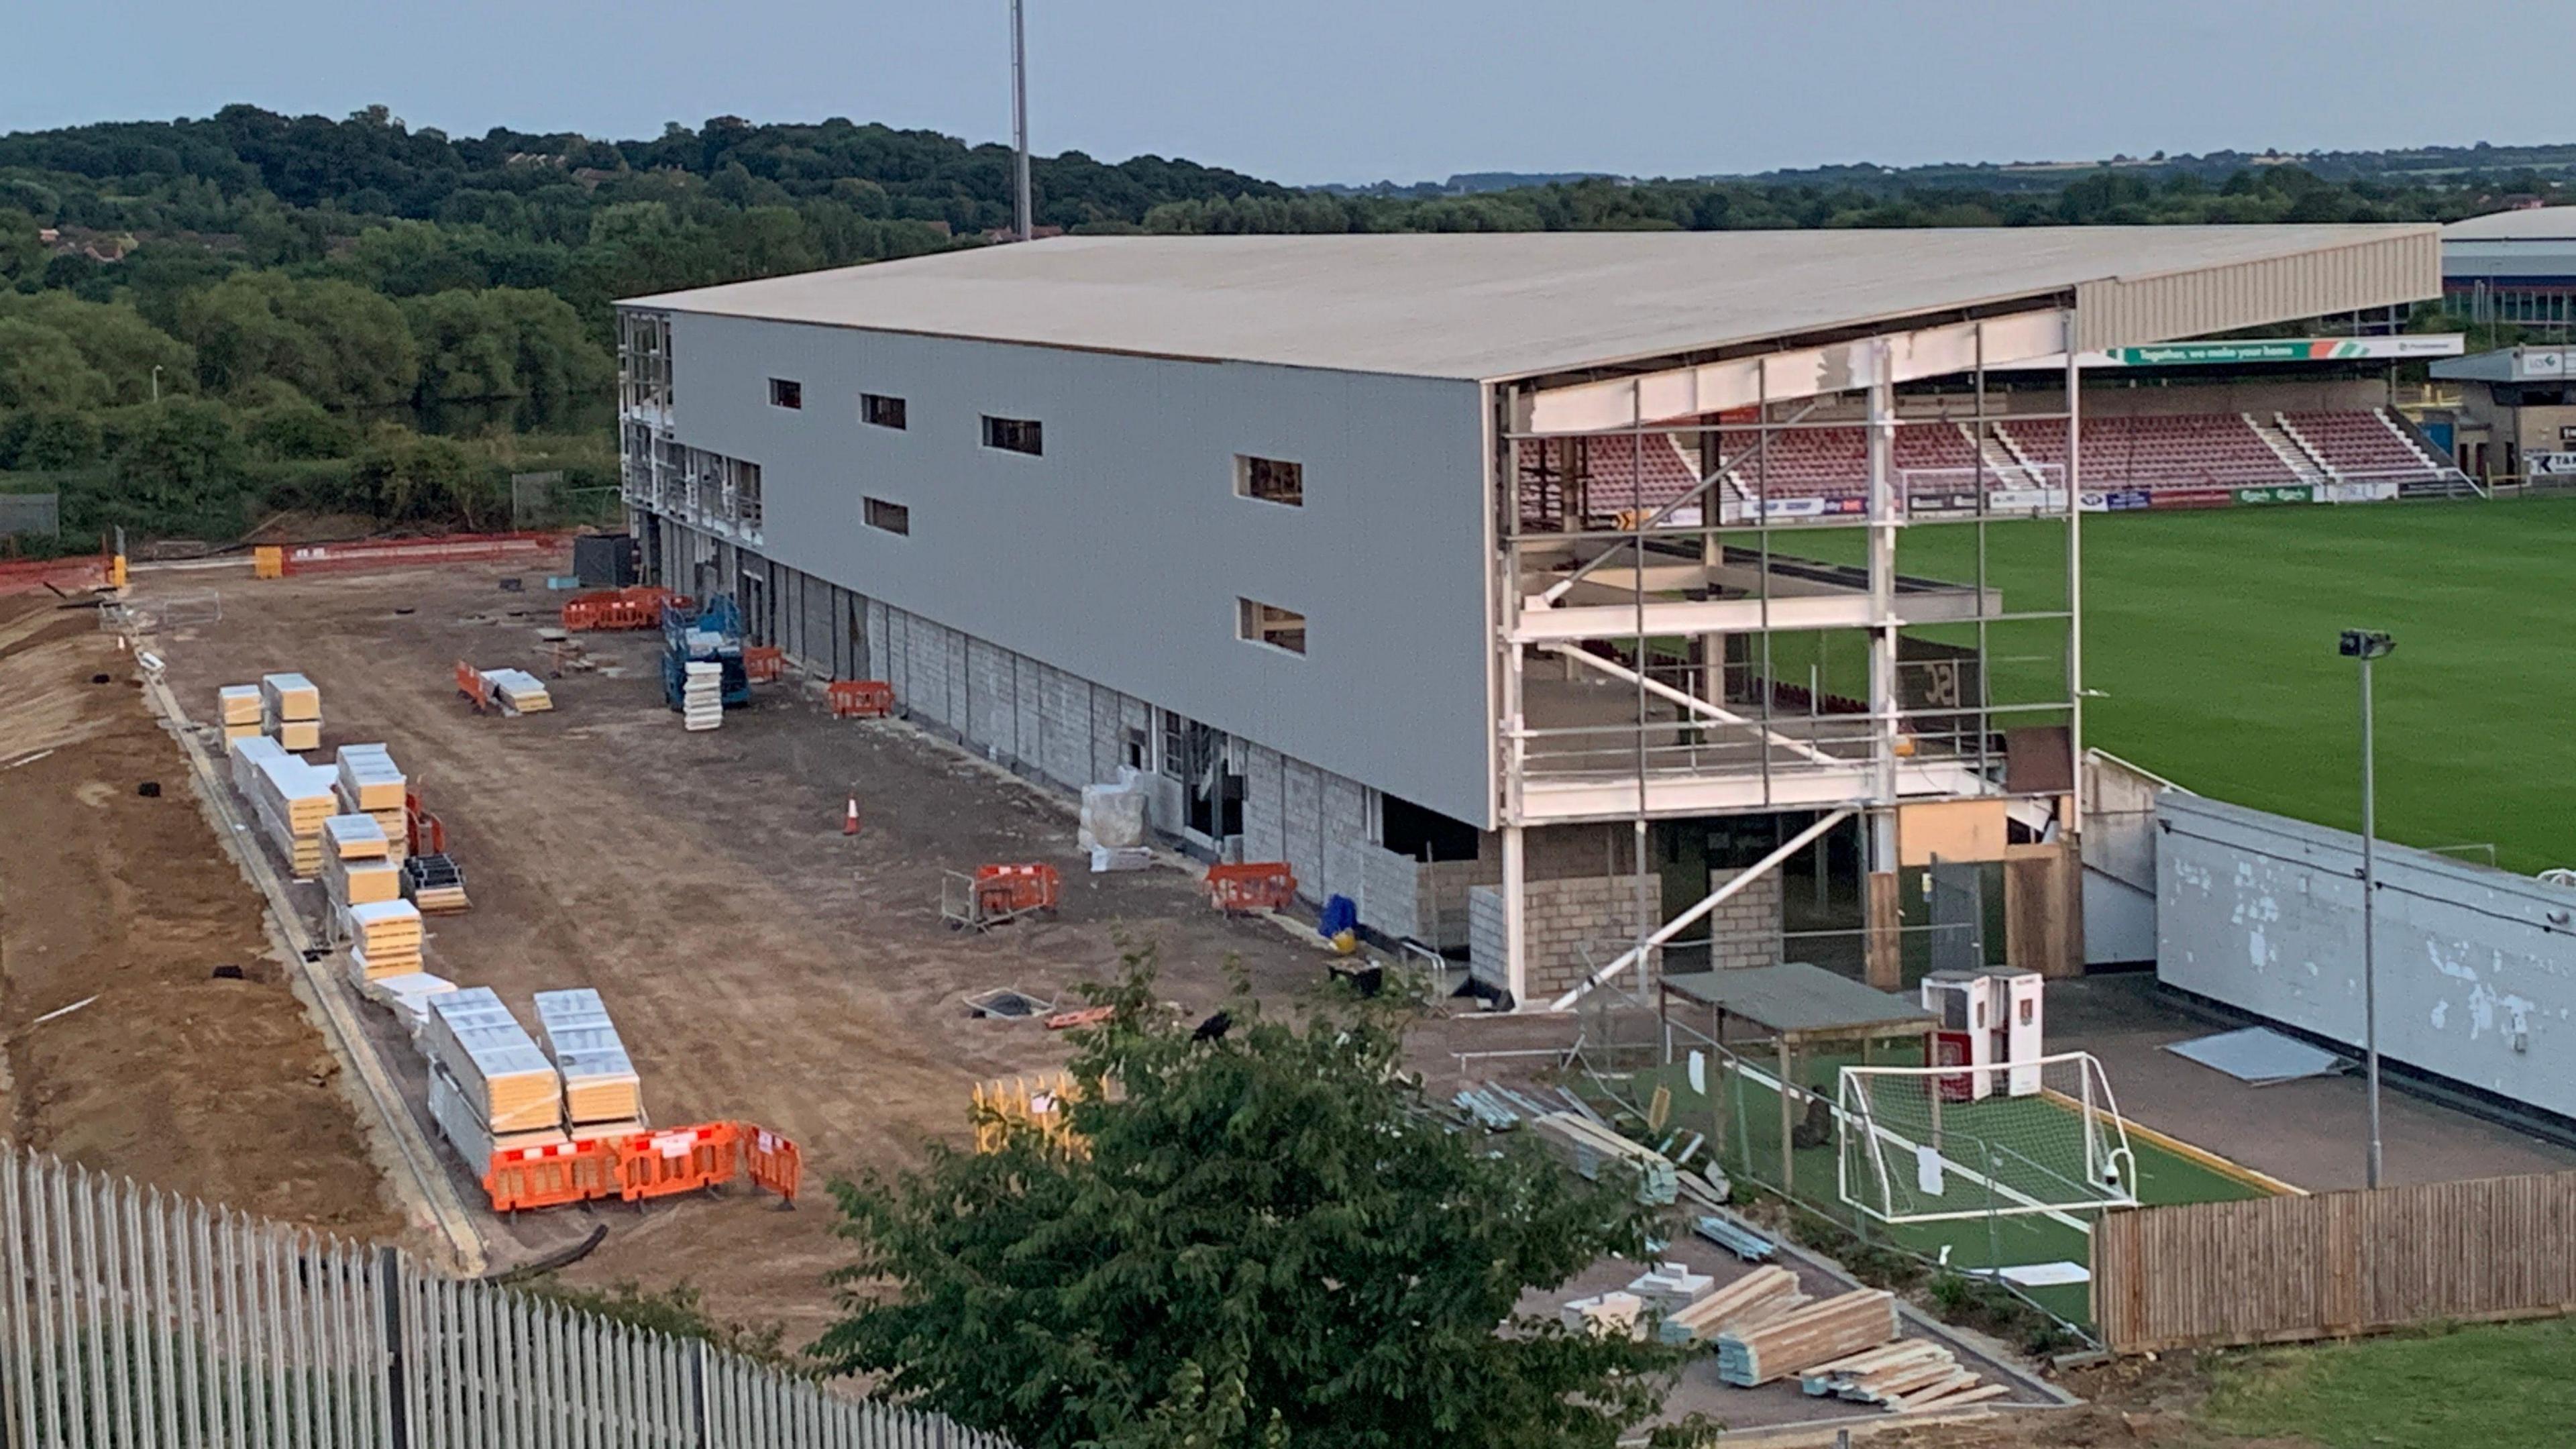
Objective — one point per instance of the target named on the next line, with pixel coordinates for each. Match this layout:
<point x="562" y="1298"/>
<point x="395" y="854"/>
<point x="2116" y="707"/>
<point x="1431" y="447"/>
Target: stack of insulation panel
<point x="702" y="697"/>
<point x="290" y="798"/>
<point x="239" y="708"/>
<point x="355" y="869"/>
<point x="489" y="1086"/>
<point x="601" y="1091"/>
<point x="290" y="710"/>
<point x="519" y="691"/>
<point x="370" y="784"/>
<point x="384" y="939"/>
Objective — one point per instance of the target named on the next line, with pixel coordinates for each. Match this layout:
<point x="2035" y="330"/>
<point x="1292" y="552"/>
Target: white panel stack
<point x="504" y="1085"/>
<point x="290" y="710"/>
<point x="407" y="996"/>
<point x="370" y="784"/>
<point x="239" y="707"/>
<point x="519" y="691"/>
<point x="600" y="1085"/>
<point x="354" y="868"/>
<point x="290" y="798"/>
<point x="702" y="697"/>
<point x="384" y="938"/>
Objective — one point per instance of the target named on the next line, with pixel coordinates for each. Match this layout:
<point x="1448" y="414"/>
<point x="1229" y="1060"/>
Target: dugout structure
<point x="1797" y="1010"/>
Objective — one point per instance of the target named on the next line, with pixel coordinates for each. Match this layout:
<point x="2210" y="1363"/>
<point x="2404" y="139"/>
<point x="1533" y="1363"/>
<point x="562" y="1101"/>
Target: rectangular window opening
<point x="879" y="411"/>
<point x="892" y="517"/>
<point x="1271" y="480"/>
<point x="786" y="393"/>
<point x="1014" y="435"/>
<point x="1269" y="624"/>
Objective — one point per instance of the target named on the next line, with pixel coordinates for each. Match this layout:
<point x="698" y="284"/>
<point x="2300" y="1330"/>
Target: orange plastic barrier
<point x="394" y="553"/>
<point x="772" y="1161"/>
<point x="471" y="684"/>
<point x="1080" y="1016"/>
<point x="1007" y="889"/>
<point x="639" y="607"/>
<point x="63" y="575"/>
<point x="861" y="698"/>
<point x="535" y="1177"/>
<point x="763" y="663"/>
<point x="685" y="1159"/>
<point x="423" y="833"/>
<point x="1252" y="886"/>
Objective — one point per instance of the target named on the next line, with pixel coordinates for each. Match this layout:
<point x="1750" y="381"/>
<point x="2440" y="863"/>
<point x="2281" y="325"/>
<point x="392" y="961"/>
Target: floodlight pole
<point x="2369" y="914"/>
<point x="1019" y="127"/>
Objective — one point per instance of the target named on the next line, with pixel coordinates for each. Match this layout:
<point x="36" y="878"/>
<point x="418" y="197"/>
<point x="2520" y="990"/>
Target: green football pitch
<point x="2210" y="637"/>
<point x="1740" y="1118"/>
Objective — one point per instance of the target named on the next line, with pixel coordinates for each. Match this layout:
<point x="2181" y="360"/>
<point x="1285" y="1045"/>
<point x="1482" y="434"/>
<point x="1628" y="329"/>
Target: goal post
<point x="1935" y="1144"/>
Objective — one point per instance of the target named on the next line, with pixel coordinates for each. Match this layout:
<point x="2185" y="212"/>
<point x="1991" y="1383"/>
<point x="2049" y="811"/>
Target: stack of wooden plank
<point x="519" y="691"/>
<point x="498" y="1089"/>
<point x="1908" y="1374"/>
<point x="1606" y="1315"/>
<point x="1838" y="1327"/>
<point x="370" y="784"/>
<point x="237" y="705"/>
<point x="600" y="1088"/>
<point x="1757" y="1297"/>
<point x="384" y="938"/>
<point x="288" y="797"/>
<point x="290" y="709"/>
<point x="355" y="871"/>
<point x="1585" y="1145"/>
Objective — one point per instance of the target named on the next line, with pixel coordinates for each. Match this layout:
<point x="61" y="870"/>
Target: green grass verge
<point x="2494" y="1386"/>
<point x="2212" y="637"/>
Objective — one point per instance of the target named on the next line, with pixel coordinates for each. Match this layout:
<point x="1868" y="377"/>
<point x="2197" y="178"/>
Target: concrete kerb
<point x="416" y="1173"/>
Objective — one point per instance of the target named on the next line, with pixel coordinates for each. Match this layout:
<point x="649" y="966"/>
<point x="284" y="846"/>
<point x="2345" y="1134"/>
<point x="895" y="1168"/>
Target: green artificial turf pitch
<point x="2211" y="637"/>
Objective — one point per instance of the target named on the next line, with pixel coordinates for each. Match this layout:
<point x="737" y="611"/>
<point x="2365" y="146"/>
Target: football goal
<point x="1934" y="1144"/>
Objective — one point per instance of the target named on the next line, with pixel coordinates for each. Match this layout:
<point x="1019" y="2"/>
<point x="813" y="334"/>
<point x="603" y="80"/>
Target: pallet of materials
<point x="384" y="938"/>
<point x="510" y="1085"/>
<point x="1911" y="1373"/>
<point x="433" y="883"/>
<point x="702" y="696"/>
<point x="291" y="799"/>
<point x="465" y="1126"/>
<point x="369" y="784"/>
<point x="599" y="1079"/>
<point x="1819" y="1333"/>
<point x="360" y="882"/>
<point x="1586" y="1146"/>
<point x="290" y="709"/>
<point x="1670" y="1287"/>
<point x="1606" y="1315"/>
<point x="1757" y="1297"/>
<point x="237" y="709"/>
<point x="406" y="996"/>
<point x="518" y="691"/>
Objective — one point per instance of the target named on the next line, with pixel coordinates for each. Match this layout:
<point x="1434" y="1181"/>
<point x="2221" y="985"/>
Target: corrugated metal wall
<point x="2128" y="311"/>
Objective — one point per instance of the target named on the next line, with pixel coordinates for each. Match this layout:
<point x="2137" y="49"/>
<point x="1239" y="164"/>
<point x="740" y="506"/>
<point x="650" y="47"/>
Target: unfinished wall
<point x="1315" y="820"/>
<point x="1570" y="927"/>
<point x="2477" y="967"/>
<point x="1744" y="930"/>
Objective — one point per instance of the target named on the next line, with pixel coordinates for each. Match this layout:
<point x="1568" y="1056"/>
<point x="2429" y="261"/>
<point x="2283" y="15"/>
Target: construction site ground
<point x="762" y="966"/>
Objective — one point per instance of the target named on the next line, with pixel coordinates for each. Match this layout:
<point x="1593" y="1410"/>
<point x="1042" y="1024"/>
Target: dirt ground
<point x="761" y="966"/>
<point x="218" y="1088"/>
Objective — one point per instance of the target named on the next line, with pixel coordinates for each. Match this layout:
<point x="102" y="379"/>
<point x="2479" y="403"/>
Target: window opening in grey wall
<point x="1014" y="435"/>
<point x="786" y="393"/>
<point x="880" y="411"/>
<point x="1269" y="624"/>
<point x="1410" y="830"/>
<point x="892" y="517"/>
<point x="1272" y="480"/>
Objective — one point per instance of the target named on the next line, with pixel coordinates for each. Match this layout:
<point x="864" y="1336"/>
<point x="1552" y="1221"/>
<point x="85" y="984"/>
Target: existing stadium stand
<point x="2150" y="453"/>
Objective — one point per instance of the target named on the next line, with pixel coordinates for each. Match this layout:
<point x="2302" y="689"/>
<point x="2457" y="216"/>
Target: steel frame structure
<point x="1627" y="579"/>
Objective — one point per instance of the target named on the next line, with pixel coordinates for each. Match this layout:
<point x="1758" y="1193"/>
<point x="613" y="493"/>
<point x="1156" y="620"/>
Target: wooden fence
<point x="2285" y="1268"/>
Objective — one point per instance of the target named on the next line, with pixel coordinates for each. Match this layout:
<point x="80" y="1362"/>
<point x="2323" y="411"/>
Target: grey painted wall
<point x="2477" y="968"/>
<point x="1119" y="555"/>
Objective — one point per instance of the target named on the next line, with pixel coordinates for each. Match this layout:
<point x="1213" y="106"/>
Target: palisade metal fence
<point x="132" y="1317"/>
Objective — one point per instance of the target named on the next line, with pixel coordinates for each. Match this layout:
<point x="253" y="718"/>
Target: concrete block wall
<point x="1390" y="890"/>
<point x="1571" y="926"/>
<point x="1744" y="930"/>
<point x="1313" y="819"/>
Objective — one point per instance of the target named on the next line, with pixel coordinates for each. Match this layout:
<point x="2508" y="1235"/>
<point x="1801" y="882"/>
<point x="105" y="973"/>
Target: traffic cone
<point x="850" y="821"/>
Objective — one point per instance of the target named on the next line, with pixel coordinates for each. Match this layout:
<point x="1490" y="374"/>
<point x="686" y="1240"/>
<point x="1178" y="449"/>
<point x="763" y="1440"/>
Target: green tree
<point x="112" y="338"/>
<point x="22" y="252"/>
<point x="179" y="457"/>
<point x="415" y="478"/>
<point x="508" y="342"/>
<point x="48" y="438"/>
<point x="335" y="342"/>
<point x="40" y="367"/>
<point x="1268" y="1242"/>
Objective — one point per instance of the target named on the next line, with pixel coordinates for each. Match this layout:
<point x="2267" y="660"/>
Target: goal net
<point x="1929" y="1144"/>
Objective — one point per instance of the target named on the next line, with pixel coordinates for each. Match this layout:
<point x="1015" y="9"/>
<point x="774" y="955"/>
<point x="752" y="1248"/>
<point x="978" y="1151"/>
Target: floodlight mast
<point x="2366" y="645"/>
<point x="1021" y="220"/>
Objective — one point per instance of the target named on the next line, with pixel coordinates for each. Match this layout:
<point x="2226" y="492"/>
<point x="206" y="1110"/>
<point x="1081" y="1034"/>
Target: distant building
<point x="2513" y="268"/>
<point x="2517" y="411"/>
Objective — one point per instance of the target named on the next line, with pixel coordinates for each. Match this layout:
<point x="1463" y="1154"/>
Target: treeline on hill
<point x="203" y="322"/>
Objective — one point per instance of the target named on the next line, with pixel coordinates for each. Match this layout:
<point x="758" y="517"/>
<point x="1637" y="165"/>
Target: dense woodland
<point x="204" y="323"/>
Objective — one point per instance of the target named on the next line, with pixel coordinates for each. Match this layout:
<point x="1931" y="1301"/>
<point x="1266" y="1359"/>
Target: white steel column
<point x="1884" y="514"/>
<point x="1515" y="922"/>
<point x="2074" y="587"/>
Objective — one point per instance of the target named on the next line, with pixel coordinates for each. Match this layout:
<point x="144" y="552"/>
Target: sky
<point x="1311" y="91"/>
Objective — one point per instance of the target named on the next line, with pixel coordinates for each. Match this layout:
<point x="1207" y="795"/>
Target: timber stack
<point x="1816" y="1334"/>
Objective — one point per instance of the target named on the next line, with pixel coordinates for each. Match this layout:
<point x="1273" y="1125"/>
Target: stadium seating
<point x="2161" y="451"/>
<point x="2361" y="447"/>
<point x="1610" y="470"/>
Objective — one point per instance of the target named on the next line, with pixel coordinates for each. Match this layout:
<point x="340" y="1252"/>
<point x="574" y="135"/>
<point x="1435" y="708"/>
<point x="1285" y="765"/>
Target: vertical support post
<point x="1515" y="917"/>
<point x="2074" y="575"/>
<point x="1788" y="1084"/>
<point x="701" y="1419"/>
<point x="1021" y="218"/>
<point x="396" y="1390"/>
<point x="1881" y="943"/>
<point x="2369" y="915"/>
